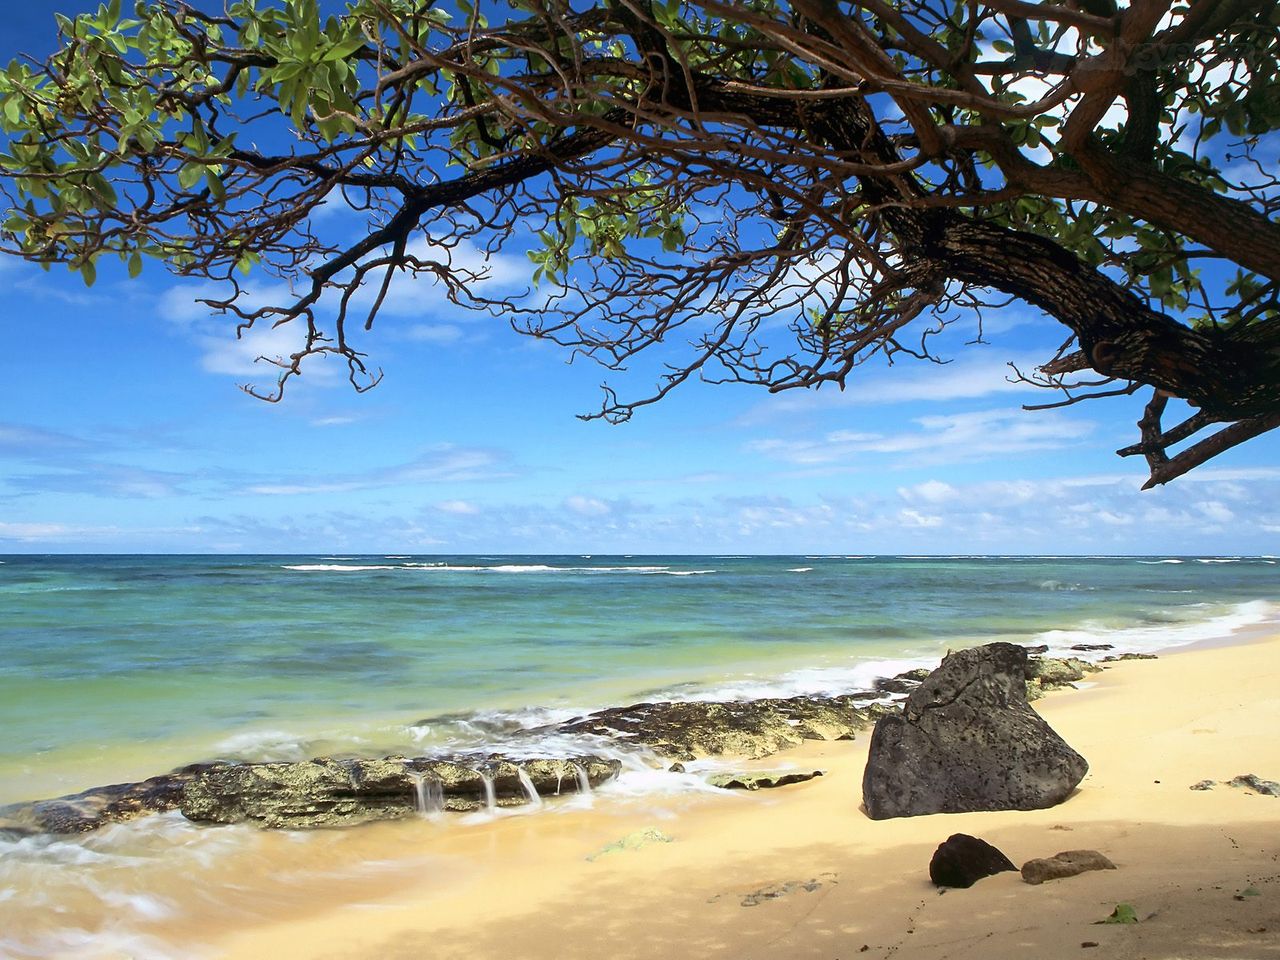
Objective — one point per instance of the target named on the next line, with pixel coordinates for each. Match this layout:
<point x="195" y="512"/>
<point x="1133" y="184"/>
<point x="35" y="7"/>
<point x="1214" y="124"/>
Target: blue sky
<point x="122" y="429"/>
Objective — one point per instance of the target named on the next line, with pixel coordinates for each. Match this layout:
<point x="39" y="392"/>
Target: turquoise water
<point x="123" y="666"/>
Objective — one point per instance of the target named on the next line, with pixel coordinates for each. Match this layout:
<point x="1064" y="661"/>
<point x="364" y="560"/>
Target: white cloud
<point x="587" y="506"/>
<point x="334" y="421"/>
<point x="947" y="438"/>
<point x="1215" y="512"/>
<point x="43" y="531"/>
<point x="445" y="463"/>
<point x="459" y="508"/>
<point x="976" y="373"/>
<point x="914" y="518"/>
<point x="241" y="357"/>
<point x="931" y="491"/>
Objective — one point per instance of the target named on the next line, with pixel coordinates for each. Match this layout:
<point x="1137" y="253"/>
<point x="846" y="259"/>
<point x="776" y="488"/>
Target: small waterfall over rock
<point x="490" y="797"/>
<point x="530" y="790"/>
<point x="428" y="793"/>
<point x="584" y="781"/>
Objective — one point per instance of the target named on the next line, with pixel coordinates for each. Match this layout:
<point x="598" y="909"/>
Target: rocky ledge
<point x="747" y="728"/>
<point x="326" y="792"/>
<point x="317" y="793"/>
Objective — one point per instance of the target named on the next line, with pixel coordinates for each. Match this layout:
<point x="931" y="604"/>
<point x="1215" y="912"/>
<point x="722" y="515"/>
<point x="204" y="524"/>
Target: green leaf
<point x="135" y="264"/>
<point x="1123" y="913"/>
<point x="88" y="273"/>
<point x="189" y="175"/>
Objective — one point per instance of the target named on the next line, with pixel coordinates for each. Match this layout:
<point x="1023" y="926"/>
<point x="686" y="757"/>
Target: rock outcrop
<point x="1052" y="673"/>
<point x="748" y="728"/>
<point x="962" y="860"/>
<point x="1068" y="863"/>
<point x="967" y="740"/>
<point x="317" y="793"/>
<point x="761" y="781"/>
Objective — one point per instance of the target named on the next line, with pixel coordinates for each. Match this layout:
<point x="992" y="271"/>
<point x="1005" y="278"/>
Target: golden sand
<point x="802" y="872"/>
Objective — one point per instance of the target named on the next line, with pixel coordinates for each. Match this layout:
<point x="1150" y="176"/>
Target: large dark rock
<point x="749" y="728"/>
<point x="967" y="740"/>
<point x="962" y="860"/>
<point x="317" y="793"/>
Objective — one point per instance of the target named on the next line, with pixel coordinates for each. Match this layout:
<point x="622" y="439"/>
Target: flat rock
<point x="316" y="793"/>
<point x="1129" y="656"/>
<point x="962" y="860"/>
<point x="967" y="740"/>
<point x="761" y="781"/>
<point x="1068" y="863"/>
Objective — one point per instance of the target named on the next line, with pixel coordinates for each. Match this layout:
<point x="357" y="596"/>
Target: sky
<point x="122" y="429"/>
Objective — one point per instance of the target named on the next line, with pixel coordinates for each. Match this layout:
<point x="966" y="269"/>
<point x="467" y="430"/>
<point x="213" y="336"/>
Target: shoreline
<point x="800" y="867"/>
<point x="800" y="871"/>
<point x="105" y="686"/>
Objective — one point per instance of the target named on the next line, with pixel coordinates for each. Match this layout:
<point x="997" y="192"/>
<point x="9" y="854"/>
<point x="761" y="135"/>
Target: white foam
<point x="799" y="569"/>
<point x="263" y="745"/>
<point x="334" y="567"/>
<point x="1184" y="625"/>
<point x="1151" y="562"/>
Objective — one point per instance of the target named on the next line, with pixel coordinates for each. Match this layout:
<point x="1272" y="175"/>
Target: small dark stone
<point x="1129" y="656"/>
<point x="1204" y="785"/>
<point x="1092" y="647"/>
<point x="1089" y="943"/>
<point x="962" y="860"/>
<point x="676" y="767"/>
<point x="1035" y="651"/>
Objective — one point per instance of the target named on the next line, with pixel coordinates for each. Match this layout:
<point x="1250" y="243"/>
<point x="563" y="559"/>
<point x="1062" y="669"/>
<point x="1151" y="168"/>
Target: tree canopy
<point x="698" y="174"/>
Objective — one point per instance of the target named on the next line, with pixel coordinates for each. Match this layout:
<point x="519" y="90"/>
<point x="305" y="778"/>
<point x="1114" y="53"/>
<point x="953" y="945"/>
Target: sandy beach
<point x="801" y="871"/>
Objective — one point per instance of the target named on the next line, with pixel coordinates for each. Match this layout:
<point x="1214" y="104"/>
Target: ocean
<point x="117" y="668"/>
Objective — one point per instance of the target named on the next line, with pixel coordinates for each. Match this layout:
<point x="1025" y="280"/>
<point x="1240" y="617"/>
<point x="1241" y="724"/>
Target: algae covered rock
<point x="324" y="792"/>
<point x="318" y="793"/>
<point x="967" y="740"/>
<point x="686" y="730"/>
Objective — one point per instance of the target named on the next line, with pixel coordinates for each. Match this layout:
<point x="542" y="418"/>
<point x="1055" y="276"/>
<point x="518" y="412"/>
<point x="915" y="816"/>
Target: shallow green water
<point x="124" y="666"/>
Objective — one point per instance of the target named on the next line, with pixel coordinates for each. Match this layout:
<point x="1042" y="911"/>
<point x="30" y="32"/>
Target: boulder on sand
<point x="967" y="740"/>
<point x="962" y="860"/>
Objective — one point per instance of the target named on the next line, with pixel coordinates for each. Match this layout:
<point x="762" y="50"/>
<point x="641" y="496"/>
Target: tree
<point x="867" y="170"/>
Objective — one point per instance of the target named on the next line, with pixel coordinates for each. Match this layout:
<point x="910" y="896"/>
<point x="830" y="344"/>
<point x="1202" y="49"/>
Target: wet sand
<point x="801" y="872"/>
